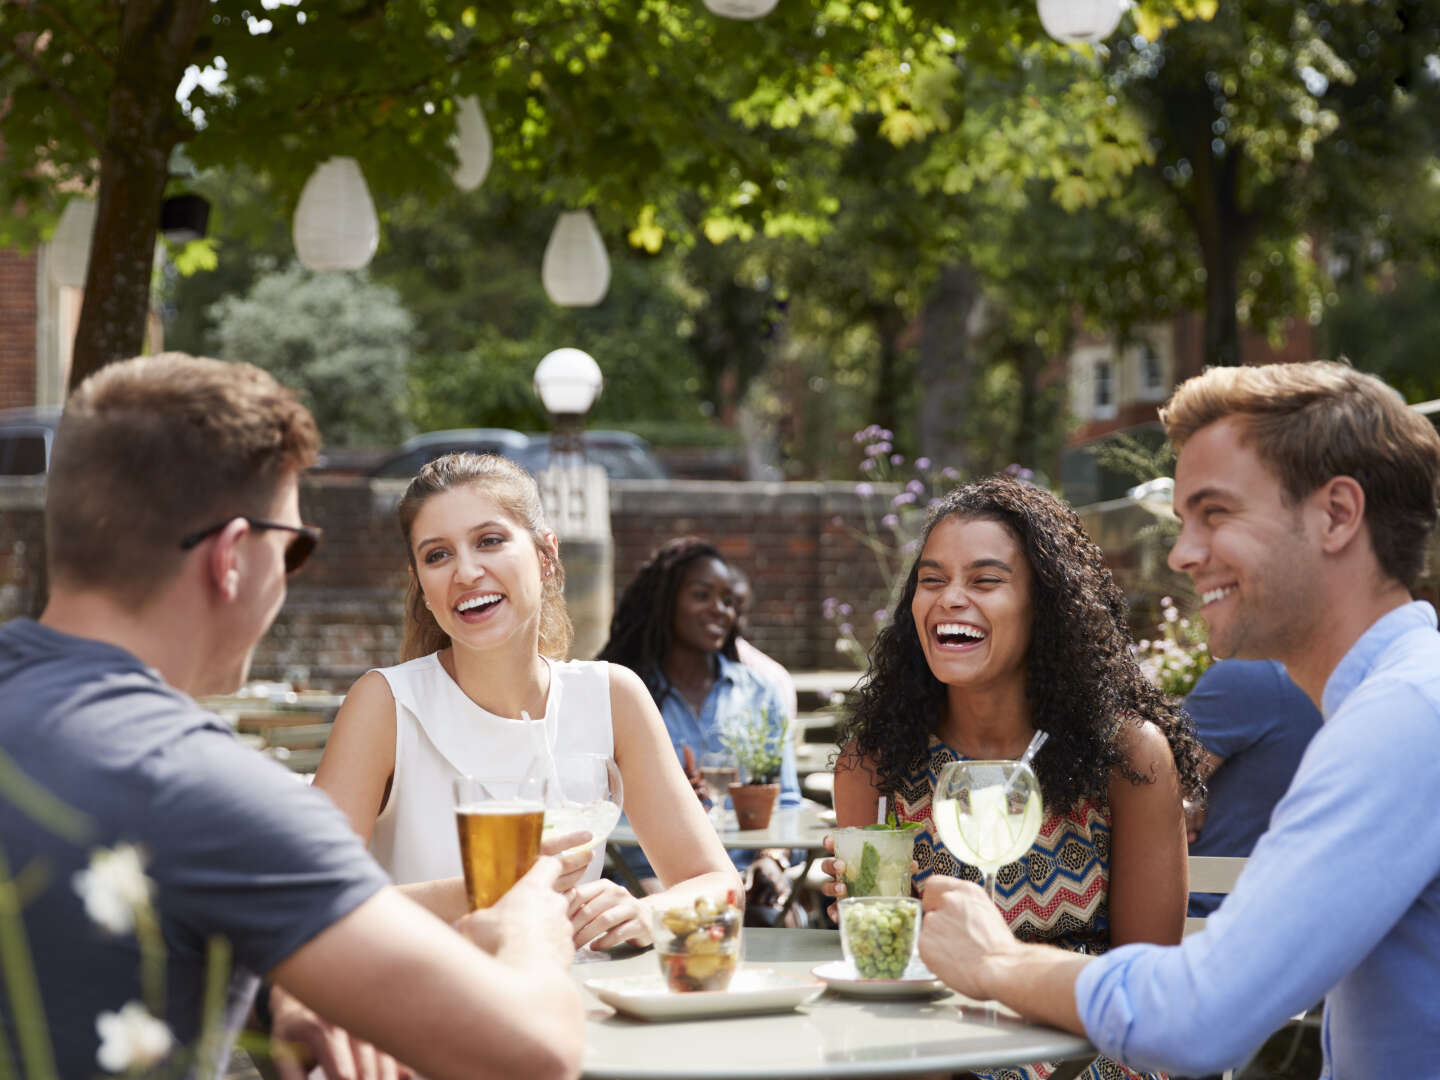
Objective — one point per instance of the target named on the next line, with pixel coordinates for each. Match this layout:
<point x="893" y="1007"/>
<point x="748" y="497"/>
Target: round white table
<point x="833" y="1036"/>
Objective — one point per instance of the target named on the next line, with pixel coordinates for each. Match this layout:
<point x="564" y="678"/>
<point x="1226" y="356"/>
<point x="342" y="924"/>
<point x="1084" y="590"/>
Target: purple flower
<point x="881" y="615"/>
<point x="845" y="609"/>
<point x="949" y="473"/>
<point x="846" y="628"/>
<point x="864" y="490"/>
<point x="875" y="449"/>
<point x="829" y="606"/>
<point x="867" y="465"/>
<point x="916" y="486"/>
<point x="903" y="498"/>
<point x="890" y="521"/>
<point x="922" y="463"/>
<point x="912" y="546"/>
<point x="932" y="504"/>
<point x="897" y="459"/>
<point x="884" y="433"/>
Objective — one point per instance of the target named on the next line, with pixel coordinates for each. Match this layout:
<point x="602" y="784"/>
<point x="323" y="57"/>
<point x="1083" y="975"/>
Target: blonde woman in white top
<point x="485" y="636"/>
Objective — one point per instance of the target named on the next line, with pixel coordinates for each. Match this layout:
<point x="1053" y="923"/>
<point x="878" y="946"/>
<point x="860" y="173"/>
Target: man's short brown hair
<point x="1311" y="422"/>
<point x="153" y="448"/>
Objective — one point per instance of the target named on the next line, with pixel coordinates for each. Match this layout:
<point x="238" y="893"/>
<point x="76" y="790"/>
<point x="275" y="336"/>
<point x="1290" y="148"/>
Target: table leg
<point x="795" y="890"/>
<point x="616" y="862"/>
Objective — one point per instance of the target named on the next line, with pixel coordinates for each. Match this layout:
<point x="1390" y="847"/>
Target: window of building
<point x="1104" y="383"/>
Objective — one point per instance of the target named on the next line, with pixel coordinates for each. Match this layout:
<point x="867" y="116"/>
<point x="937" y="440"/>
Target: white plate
<point x="752" y="990"/>
<point x="843" y="979"/>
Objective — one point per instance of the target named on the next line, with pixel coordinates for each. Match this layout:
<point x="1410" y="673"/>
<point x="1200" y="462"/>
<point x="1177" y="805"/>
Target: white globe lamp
<point x="335" y="226"/>
<point x="575" y="270"/>
<point x="471" y="143"/>
<point x="1080" y="22"/>
<point x="568" y="382"/>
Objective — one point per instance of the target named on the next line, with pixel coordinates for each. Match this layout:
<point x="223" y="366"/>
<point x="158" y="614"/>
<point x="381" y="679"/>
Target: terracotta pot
<point x="754" y="803"/>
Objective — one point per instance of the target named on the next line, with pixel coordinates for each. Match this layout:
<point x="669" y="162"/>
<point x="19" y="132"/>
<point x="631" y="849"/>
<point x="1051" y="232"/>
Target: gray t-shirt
<point x="236" y="846"/>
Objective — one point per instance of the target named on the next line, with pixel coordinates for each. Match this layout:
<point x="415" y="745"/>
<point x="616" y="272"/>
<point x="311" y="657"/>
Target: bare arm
<point x="857" y="789"/>
<point x="1149" y="876"/>
<point x="668" y="820"/>
<point x="359" y="759"/>
<point x="394" y="975"/>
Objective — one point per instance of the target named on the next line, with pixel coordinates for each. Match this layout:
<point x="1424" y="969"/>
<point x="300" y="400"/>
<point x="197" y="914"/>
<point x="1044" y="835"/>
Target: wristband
<point x="262" y="1008"/>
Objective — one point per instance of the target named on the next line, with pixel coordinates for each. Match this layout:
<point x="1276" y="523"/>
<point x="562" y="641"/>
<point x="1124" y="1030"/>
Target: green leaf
<point x="869" y="867"/>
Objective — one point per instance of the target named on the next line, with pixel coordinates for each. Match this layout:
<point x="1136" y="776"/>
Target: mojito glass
<point x="877" y="859"/>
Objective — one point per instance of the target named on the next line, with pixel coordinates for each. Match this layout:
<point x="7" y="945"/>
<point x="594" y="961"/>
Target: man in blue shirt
<point x="1255" y="724"/>
<point x="1307" y="494"/>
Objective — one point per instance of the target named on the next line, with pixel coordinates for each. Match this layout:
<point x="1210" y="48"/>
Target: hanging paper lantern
<point x="1077" y="22"/>
<point x="335" y="226"/>
<point x="575" y="270"/>
<point x="471" y="143"/>
<point x="741" y="9"/>
<point x="69" y="247"/>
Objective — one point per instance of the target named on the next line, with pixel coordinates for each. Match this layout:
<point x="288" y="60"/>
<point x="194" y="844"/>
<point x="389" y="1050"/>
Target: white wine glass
<point x="987" y="813"/>
<point x="587" y="794"/>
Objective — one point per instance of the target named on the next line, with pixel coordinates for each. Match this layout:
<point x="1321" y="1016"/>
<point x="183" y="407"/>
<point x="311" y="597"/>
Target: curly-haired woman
<point x="1010" y="623"/>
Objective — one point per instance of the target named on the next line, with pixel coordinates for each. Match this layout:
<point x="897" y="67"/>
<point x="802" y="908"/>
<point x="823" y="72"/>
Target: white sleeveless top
<point x="440" y="734"/>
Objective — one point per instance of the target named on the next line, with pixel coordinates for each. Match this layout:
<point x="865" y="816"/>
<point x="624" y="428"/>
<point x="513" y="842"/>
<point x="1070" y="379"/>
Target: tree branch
<point x="90" y="43"/>
<point x="65" y="97"/>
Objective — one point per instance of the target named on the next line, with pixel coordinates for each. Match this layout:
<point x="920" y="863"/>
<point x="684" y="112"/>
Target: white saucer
<point x="752" y="990"/>
<point x="841" y="977"/>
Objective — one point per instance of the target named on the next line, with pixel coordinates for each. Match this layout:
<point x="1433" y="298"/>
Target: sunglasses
<point x="307" y="538"/>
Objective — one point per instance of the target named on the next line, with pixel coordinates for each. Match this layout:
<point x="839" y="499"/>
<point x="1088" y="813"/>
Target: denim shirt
<point x="1340" y="898"/>
<point x="736" y="690"/>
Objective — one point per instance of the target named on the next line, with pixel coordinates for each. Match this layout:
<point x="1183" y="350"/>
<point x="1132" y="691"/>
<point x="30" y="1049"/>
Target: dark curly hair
<point x="1082" y="682"/>
<point x="642" y="629"/>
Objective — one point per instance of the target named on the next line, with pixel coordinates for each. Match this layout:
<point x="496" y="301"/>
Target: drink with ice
<point x="987" y="813"/>
<point x="877" y="859"/>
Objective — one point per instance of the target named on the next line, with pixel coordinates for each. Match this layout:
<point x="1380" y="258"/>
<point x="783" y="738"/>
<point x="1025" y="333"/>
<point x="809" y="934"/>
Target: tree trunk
<point x="1225" y="233"/>
<point x="945" y="367"/>
<point x="888" y="322"/>
<point x="157" y="41"/>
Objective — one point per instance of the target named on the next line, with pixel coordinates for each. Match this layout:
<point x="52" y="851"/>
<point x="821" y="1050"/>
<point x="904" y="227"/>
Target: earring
<point x="427" y="605"/>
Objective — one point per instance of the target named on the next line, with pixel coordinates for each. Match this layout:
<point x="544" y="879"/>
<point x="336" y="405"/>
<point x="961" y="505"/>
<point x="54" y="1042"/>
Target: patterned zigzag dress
<point x="1058" y="894"/>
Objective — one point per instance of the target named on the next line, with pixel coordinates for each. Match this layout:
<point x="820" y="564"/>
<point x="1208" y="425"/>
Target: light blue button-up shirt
<point x="1340" y="898"/>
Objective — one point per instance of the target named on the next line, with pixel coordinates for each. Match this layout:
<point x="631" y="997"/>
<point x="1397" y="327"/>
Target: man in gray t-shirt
<point x="172" y="521"/>
<point x="236" y="847"/>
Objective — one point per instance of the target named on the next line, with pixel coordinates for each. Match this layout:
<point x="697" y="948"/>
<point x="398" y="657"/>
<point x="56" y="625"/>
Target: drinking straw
<point x="880" y="819"/>
<point x="1028" y="756"/>
<point x="1034" y="748"/>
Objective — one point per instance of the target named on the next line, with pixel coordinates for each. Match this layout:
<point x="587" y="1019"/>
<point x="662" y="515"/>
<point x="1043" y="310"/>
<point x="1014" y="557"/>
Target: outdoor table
<point x="832" y="1036"/>
<point x="797" y="827"/>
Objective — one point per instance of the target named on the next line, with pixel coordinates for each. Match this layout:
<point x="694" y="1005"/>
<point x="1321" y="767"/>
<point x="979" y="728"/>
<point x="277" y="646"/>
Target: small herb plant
<point x="757" y="742"/>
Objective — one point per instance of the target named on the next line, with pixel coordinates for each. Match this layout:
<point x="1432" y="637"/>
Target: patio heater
<point x="576" y="495"/>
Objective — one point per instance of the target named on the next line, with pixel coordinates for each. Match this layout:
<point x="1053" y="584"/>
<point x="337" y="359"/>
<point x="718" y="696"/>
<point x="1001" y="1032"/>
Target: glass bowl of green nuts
<point x="878" y="934"/>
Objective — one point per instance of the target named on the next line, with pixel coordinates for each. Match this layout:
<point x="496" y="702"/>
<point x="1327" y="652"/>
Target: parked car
<point x="26" y="436"/>
<point x="623" y="456"/>
<point x="420" y="450"/>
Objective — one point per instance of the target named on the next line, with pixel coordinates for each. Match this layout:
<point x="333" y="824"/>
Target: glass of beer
<point x="500" y="819"/>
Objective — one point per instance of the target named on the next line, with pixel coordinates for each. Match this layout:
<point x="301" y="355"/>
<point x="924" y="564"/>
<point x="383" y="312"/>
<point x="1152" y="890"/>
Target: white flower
<point x="113" y="887"/>
<point x="131" y="1039"/>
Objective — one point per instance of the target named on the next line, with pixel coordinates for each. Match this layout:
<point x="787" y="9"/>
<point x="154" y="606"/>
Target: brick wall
<point x="799" y="543"/>
<point x="343" y="614"/>
<point x="17" y="329"/>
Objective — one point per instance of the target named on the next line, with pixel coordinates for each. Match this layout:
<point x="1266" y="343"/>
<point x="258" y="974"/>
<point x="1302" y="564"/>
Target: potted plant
<point x="758" y="745"/>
